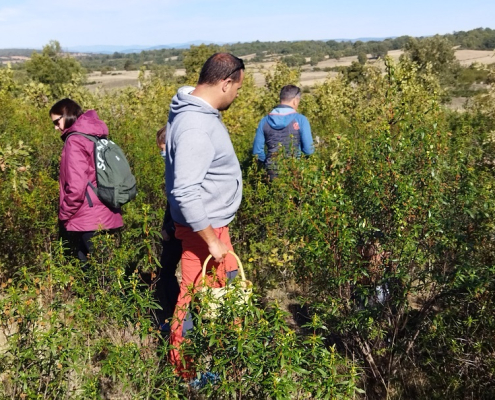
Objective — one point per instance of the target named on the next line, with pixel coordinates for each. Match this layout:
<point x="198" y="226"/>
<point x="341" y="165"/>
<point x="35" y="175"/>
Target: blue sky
<point x="32" y="23"/>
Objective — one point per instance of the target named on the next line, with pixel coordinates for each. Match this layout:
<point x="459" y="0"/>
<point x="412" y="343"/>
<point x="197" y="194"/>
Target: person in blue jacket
<point x="284" y="128"/>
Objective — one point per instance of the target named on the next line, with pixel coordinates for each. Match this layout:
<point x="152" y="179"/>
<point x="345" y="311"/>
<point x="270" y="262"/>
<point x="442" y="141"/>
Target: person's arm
<point x="306" y="137"/>
<point x="74" y="166"/>
<point x="193" y="155"/>
<point x="259" y="142"/>
<point x="216" y="247"/>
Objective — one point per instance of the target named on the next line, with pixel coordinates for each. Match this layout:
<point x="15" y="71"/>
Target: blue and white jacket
<point x="283" y="127"/>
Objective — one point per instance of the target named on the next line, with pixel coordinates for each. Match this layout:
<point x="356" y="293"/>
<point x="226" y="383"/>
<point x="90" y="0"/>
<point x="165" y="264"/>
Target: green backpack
<point x="116" y="185"/>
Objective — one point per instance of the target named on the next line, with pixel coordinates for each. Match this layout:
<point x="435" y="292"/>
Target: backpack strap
<point x="89" y="137"/>
<point x="88" y="198"/>
<point x="90" y="202"/>
<point x="93" y="187"/>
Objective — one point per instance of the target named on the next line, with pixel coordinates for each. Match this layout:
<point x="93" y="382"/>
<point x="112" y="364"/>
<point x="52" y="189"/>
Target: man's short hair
<point x="289" y="92"/>
<point x="219" y="67"/>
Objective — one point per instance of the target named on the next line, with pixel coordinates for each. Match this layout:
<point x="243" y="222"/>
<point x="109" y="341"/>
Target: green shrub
<point x="384" y="236"/>
<point x="384" y="230"/>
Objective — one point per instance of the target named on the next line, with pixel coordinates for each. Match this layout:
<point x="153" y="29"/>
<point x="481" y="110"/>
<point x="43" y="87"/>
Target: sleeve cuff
<point x="200" y="225"/>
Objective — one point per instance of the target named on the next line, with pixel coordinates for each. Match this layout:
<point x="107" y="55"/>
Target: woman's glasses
<point x="56" y="121"/>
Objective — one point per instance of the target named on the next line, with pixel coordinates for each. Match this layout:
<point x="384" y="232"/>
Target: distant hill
<point x="185" y="45"/>
<point x="109" y="49"/>
<point x="106" y="49"/>
<point x="475" y="39"/>
<point x="17" y="52"/>
<point x="365" y="39"/>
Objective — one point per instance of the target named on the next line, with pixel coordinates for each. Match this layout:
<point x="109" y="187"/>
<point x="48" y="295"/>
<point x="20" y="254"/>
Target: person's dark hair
<point x="68" y="109"/>
<point x="289" y="92"/>
<point x="219" y="67"/>
<point x="160" y="135"/>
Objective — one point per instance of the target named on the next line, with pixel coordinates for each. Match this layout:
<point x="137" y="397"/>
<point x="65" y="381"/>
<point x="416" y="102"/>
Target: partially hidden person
<point x="284" y="129"/>
<point x="167" y="286"/>
<point x="80" y="210"/>
<point x="203" y="182"/>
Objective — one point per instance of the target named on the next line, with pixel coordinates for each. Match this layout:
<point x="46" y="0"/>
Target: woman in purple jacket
<point x="80" y="209"/>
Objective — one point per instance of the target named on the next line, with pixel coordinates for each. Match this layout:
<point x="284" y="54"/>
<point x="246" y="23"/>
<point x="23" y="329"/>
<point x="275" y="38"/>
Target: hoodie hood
<point x="89" y="124"/>
<point x="281" y="116"/>
<point x="184" y="101"/>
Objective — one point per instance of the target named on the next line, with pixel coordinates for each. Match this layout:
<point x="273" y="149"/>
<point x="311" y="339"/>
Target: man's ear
<point x="226" y="85"/>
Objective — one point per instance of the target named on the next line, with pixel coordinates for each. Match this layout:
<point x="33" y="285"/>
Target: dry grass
<point x="13" y="59"/>
<point x="118" y="79"/>
<point x="309" y="77"/>
<point x="468" y="57"/>
<point x="113" y="80"/>
<point x="333" y="62"/>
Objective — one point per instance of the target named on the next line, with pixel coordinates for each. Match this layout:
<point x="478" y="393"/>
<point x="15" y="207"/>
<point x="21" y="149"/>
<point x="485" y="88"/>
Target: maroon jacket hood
<point x="88" y="123"/>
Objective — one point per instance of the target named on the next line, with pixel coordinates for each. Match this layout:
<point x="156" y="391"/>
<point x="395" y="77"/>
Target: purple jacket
<point x="77" y="168"/>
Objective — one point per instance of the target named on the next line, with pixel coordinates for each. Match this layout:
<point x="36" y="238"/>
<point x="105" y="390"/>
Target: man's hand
<point x="216" y="247"/>
<point x="218" y="250"/>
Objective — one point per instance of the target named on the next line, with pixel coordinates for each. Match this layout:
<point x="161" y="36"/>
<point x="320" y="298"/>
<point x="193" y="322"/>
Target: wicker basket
<point x="212" y="298"/>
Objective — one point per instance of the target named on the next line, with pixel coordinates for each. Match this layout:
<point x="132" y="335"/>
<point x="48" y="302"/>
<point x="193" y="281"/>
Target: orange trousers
<point x="194" y="252"/>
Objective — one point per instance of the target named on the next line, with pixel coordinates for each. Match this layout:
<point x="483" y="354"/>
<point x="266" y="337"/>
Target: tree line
<point x="294" y="53"/>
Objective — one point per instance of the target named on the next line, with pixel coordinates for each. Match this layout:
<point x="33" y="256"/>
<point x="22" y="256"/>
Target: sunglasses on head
<point x="238" y="68"/>
<point x="56" y="121"/>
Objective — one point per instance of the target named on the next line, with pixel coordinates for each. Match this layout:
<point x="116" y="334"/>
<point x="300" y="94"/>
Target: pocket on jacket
<point x="232" y="198"/>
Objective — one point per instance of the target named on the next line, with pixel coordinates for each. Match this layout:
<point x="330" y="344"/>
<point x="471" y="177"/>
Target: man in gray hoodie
<point x="203" y="180"/>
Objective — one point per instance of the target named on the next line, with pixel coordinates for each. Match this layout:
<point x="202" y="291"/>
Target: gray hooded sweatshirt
<point x="203" y="175"/>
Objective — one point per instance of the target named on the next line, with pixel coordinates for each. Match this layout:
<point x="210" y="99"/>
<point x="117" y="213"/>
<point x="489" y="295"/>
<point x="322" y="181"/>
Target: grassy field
<point x="309" y="77"/>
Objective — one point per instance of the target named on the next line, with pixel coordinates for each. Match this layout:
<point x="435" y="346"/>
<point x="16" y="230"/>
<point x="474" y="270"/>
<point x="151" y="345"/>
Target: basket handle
<point x="239" y="263"/>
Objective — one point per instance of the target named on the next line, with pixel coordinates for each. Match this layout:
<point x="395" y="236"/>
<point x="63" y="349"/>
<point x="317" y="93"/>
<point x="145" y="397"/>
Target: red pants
<point x="194" y="252"/>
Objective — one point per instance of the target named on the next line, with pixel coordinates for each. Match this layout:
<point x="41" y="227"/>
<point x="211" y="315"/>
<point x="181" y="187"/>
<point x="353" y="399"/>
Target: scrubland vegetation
<point x="382" y="243"/>
<point x="294" y="53"/>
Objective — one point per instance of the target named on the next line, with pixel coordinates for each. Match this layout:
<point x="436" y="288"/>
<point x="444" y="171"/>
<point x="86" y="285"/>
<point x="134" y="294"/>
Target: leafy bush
<point x="82" y="336"/>
<point x="386" y="231"/>
<point x="255" y="353"/>
<point x="384" y="238"/>
<point x="64" y="334"/>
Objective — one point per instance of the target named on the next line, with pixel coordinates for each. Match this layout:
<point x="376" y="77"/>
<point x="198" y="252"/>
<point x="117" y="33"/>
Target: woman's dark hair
<point x="221" y="66"/>
<point x="68" y="109"/>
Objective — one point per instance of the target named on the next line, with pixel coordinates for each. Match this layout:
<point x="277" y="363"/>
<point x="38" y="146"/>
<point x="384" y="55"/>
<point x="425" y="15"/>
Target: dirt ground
<point x="13" y="59"/>
<point x="112" y="80"/>
<point x="468" y="57"/>
<point x="459" y="103"/>
<point x="117" y="79"/>
<point x="309" y="77"/>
